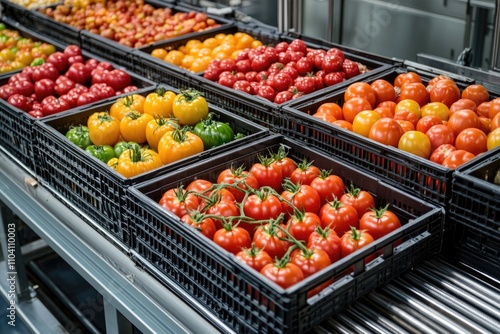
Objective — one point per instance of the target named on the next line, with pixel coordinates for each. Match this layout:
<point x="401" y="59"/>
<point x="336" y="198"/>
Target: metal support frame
<point x="132" y="295"/>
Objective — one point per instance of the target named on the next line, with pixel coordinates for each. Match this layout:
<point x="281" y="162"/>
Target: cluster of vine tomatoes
<point x="436" y="121"/>
<point x="285" y="219"/>
<point x="283" y="72"/>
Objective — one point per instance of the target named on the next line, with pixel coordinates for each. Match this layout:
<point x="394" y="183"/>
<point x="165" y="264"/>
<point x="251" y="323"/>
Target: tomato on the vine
<point x="238" y="181"/>
<point x="267" y="172"/>
<point x="200" y="222"/>
<point x="311" y="261"/>
<point x="255" y="257"/>
<point x="354" y="240"/>
<point x="326" y="239"/>
<point x="360" y="199"/>
<point x="328" y="186"/>
<point x="379" y="222"/>
<point x="232" y="238"/>
<point x="272" y="238"/>
<point x="262" y="205"/>
<point x="301" y="224"/>
<point x="305" y="173"/>
<point x="179" y="201"/>
<point x="283" y="272"/>
<point x="338" y="216"/>
<point x="286" y="164"/>
<point x="299" y="196"/>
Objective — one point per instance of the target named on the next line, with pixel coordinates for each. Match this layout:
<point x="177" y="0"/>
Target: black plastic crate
<point x="16" y="12"/>
<point x="17" y="127"/>
<point x="474" y="214"/>
<point x="93" y="187"/>
<point x="185" y="261"/>
<point x="417" y="175"/>
<point x="122" y="54"/>
<point x="160" y="71"/>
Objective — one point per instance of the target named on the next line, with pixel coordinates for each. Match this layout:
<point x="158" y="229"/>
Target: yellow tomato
<point x="408" y="105"/>
<point x="438" y="109"/>
<point x="159" y="53"/>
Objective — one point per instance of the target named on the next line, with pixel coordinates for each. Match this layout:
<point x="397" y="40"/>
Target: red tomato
<point x="262" y="205"/>
<point x="343" y="124"/>
<point x="302" y="197"/>
<point x="327" y="240"/>
<point x="220" y="208"/>
<point x="331" y="108"/>
<point x="339" y="216"/>
<point x="361" y="200"/>
<point x="494" y="108"/>
<point x="404" y="78"/>
<point x="311" y="261"/>
<point x="441" y="152"/>
<point x="199" y="186"/>
<point x="406" y="125"/>
<point x="384" y="91"/>
<point x="440" y="134"/>
<point x="205" y="225"/>
<point x="325" y="117"/>
<point x="495" y="122"/>
<point x="354" y="240"/>
<point x="354" y="106"/>
<point x="415" y="91"/>
<point x="361" y="89"/>
<point x="386" y="131"/>
<point x="179" y="201"/>
<point x="328" y="186"/>
<point x="457" y="158"/>
<point x="304" y="173"/>
<point x="472" y="140"/>
<point x="463" y="104"/>
<point x="301" y="224"/>
<point x="463" y="119"/>
<point x="232" y="239"/>
<point x="267" y="173"/>
<point x="254" y="257"/>
<point x="426" y="122"/>
<point x="283" y="273"/>
<point x="391" y="105"/>
<point x="476" y="93"/>
<point x="286" y="164"/>
<point x="384" y="112"/>
<point x="379" y="222"/>
<point x="445" y="91"/>
<point x="483" y="110"/>
<point x="238" y="179"/>
<point x="408" y="116"/>
<point x="272" y="239"/>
